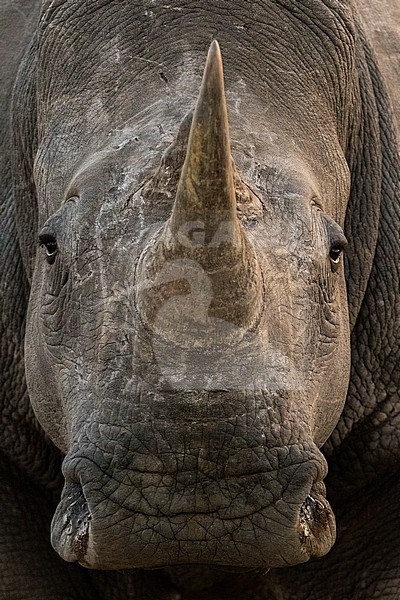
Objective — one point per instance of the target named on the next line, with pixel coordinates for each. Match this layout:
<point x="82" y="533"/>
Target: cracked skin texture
<point x="69" y="96"/>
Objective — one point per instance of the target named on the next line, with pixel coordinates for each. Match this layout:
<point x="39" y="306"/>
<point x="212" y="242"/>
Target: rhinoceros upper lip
<point x="193" y="497"/>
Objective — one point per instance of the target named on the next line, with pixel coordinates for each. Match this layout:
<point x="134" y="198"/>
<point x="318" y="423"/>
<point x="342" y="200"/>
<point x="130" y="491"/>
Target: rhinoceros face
<point x="187" y="348"/>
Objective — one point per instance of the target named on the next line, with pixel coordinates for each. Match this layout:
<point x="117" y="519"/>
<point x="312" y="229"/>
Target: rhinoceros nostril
<point x="316" y="523"/>
<point x="71" y="524"/>
<point x="312" y="512"/>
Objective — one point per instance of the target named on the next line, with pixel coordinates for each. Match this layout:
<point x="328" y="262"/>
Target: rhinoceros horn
<point x="206" y="192"/>
<point x="203" y="242"/>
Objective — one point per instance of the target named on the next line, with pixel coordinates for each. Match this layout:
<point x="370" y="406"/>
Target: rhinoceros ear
<point x="24" y="145"/>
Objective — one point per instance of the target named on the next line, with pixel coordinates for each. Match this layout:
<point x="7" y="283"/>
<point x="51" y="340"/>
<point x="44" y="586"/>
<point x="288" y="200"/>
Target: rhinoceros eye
<point x="48" y="241"/>
<point x="335" y="255"/>
<point x="337" y="242"/>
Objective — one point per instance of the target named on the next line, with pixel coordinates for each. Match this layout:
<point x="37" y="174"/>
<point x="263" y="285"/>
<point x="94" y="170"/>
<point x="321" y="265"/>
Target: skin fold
<point x="200" y="279"/>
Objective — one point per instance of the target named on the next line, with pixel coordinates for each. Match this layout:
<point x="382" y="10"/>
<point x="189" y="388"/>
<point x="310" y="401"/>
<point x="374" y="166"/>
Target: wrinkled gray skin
<point x="197" y="411"/>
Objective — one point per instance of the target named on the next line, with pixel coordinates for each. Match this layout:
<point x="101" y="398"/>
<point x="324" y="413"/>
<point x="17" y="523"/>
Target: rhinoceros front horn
<point x="202" y="270"/>
<point x="206" y="192"/>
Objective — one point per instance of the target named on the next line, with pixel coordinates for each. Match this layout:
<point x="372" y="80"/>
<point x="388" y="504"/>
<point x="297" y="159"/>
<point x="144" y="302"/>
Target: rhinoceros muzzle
<point x="307" y="531"/>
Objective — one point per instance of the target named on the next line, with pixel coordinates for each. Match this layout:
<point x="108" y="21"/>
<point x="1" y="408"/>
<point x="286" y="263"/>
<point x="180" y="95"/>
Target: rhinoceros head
<point x="188" y="350"/>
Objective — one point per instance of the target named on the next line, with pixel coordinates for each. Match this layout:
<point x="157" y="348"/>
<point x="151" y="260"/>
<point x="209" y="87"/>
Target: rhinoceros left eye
<point x="49" y="242"/>
<point x="337" y="242"/>
<point x="335" y="256"/>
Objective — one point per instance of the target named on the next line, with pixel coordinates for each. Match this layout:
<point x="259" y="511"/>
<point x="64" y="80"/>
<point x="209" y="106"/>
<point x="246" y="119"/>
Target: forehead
<point x="119" y="70"/>
<point x="270" y="164"/>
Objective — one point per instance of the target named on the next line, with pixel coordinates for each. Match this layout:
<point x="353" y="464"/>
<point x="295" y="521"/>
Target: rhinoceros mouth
<point x="251" y="540"/>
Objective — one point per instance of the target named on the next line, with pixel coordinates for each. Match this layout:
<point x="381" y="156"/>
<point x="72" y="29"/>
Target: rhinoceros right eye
<point x="335" y="255"/>
<point x="49" y="242"/>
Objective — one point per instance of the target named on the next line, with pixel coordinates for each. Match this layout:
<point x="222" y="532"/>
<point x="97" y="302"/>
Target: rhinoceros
<point x="200" y="300"/>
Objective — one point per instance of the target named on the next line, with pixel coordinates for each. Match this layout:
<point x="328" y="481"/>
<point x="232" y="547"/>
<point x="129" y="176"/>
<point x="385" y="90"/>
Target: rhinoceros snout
<point x="155" y="511"/>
